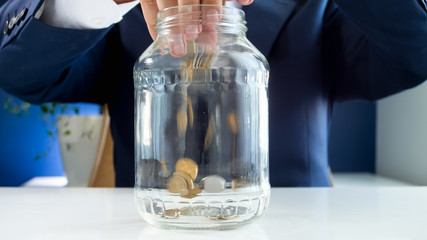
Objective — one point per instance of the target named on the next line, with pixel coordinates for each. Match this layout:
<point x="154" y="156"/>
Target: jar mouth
<point x="201" y="14"/>
<point x="185" y="8"/>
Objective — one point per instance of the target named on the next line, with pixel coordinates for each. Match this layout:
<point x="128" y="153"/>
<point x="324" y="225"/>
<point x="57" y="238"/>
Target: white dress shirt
<point x="83" y="14"/>
<point x="87" y="14"/>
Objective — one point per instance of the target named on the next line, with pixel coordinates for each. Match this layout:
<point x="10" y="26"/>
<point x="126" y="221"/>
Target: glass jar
<point x="201" y="122"/>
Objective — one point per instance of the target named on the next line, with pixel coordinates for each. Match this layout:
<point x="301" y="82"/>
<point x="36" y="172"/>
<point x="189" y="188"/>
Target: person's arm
<point x="41" y="63"/>
<point x="375" y="48"/>
<point x="83" y="14"/>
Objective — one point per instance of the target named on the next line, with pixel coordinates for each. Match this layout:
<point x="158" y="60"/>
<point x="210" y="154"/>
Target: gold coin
<point x="228" y="217"/>
<point x="171" y="213"/>
<point x="232" y="122"/>
<point x="239" y="183"/>
<point x="187" y="178"/>
<point x="185" y="211"/>
<point x="210" y="133"/>
<point x="165" y="170"/>
<point x="195" y="191"/>
<point x="190" y="112"/>
<point x="192" y="193"/>
<point x="187" y="165"/>
<point x="178" y="184"/>
<point x="181" y="122"/>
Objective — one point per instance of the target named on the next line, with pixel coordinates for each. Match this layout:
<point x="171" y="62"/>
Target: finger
<point x="190" y="23"/>
<point x="150" y="10"/>
<point x="175" y="39"/>
<point x="211" y="17"/>
<point x="245" y="2"/>
<point x="211" y="14"/>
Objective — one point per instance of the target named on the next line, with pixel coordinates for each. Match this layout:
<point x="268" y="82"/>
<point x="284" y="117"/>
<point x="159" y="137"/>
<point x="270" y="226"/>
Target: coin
<point x="185" y="211"/>
<point x="195" y="191"/>
<point x="213" y="184"/>
<point x="190" y="112"/>
<point x="171" y="213"/>
<point x="187" y="165"/>
<point x="178" y="184"/>
<point x="181" y="122"/>
<point x="232" y="122"/>
<point x="165" y="170"/>
<point x="239" y="183"/>
<point x="209" y="133"/>
<point x="187" y="178"/>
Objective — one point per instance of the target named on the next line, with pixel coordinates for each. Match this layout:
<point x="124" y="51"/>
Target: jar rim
<point x="233" y="9"/>
<point x="228" y="16"/>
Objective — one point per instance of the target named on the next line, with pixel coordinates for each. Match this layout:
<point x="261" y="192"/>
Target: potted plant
<point x="77" y="134"/>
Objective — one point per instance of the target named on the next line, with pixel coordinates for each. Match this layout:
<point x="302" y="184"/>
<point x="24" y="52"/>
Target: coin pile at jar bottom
<point x="174" y="213"/>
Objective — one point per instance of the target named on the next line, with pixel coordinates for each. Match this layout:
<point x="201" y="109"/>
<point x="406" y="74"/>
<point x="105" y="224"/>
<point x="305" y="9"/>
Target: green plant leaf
<point x="13" y="110"/>
<point x="25" y="106"/>
<point x="7" y="102"/>
<point x="68" y="132"/>
<point x="44" y="108"/>
<point x="63" y="108"/>
<point x="76" y="110"/>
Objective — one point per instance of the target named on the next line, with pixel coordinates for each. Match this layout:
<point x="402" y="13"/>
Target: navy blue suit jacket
<point x="319" y="52"/>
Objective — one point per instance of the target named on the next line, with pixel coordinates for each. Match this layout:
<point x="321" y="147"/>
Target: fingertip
<point x="178" y="47"/>
<point x="245" y="2"/>
<point x="191" y="31"/>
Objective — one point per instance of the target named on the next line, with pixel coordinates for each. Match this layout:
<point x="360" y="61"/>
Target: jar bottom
<point x="228" y="210"/>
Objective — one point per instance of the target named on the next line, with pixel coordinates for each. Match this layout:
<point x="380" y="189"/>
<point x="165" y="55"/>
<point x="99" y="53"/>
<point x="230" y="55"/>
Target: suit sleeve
<point x="40" y="63"/>
<point x="375" y="48"/>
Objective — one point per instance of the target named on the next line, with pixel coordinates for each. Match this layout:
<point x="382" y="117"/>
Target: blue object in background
<point x="23" y="138"/>
<point x="352" y="137"/>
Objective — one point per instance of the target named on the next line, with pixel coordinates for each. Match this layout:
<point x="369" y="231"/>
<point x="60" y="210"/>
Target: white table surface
<point x="387" y="213"/>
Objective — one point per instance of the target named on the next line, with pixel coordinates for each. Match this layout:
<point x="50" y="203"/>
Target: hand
<point x="150" y="8"/>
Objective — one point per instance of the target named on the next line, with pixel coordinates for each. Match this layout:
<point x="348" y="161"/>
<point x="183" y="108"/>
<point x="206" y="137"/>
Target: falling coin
<point x="165" y="170"/>
<point x="209" y="133"/>
<point x="232" y="122"/>
<point x="190" y="112"/>
<point x="187" y="165"/>
<point x="181" y="121"/>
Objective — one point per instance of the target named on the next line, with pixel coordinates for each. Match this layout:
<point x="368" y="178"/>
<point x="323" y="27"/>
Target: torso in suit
<point x="319" y="52"/>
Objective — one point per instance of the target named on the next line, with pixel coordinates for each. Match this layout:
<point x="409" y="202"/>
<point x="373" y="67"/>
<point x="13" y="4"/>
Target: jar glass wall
<point x="201" y="122"/>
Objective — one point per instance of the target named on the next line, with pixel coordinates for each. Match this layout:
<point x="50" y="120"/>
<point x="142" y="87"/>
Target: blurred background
<point x="368" y="140"/>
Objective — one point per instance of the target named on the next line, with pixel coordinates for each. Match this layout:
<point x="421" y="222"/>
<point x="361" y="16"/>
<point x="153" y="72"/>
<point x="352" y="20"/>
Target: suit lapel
<point x="267" y="17"/>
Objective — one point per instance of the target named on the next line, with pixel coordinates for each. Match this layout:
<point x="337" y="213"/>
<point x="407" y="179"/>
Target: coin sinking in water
<point x="187" y="165"/>
<point x="210" y="132"/>
<point x="181" y="122"/>
<point x="232" y="123"/>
